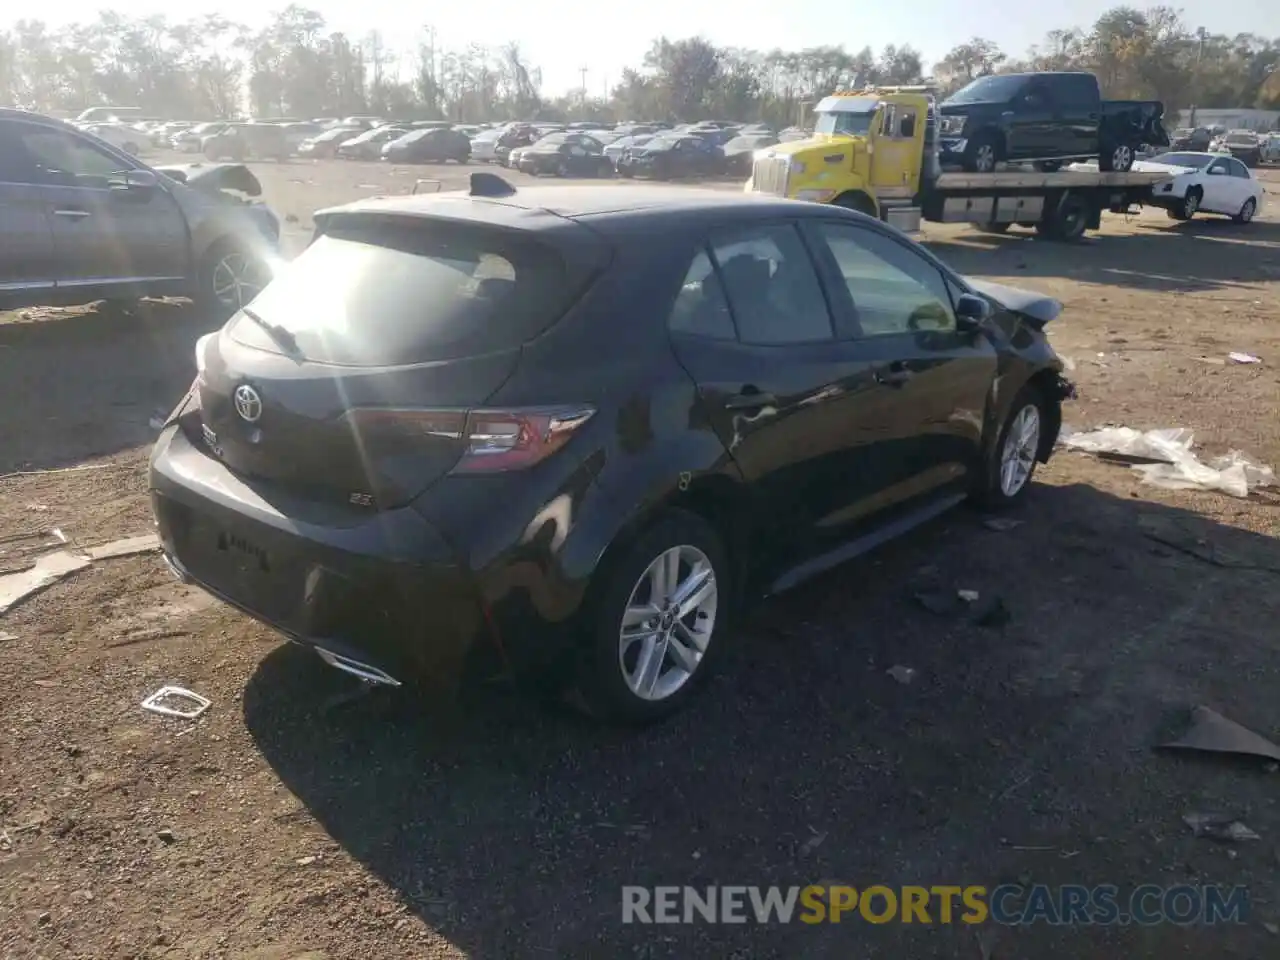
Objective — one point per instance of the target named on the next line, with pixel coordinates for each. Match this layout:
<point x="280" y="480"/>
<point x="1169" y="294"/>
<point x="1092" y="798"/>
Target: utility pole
<point x="583" y="72"/>
<point x="1201" y="34"/>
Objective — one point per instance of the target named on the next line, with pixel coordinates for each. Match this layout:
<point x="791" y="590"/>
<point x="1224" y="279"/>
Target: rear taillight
<point x="492" y="441"/>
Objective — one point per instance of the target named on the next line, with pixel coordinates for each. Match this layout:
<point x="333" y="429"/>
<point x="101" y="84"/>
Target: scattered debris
<point x="903" y="675"/>
<point x="1244" y="357"/>
<point x="1211" y="732"/>
<point x="156" y="703"/>
<point x="165" y="835"/>
<point x="45" y="919"/>
<point x="40" y="473"/>
<point x="306" y="861"/>
<point x="1001" y="524"/>
<point x="1272" y="929"/>
<point x="1215" y="361"/>
<point x="1164" y="459"/>
<point x="813" y="843"/>
<point x="6" y="636"/>
<point x="984" y="612"/>
<point x="52" y="567"/>
<point x="367" y="186"/>
<point x="1218" y="827"/>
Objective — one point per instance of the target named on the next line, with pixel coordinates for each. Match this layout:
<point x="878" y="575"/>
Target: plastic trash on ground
<point x="1177" y="468"/>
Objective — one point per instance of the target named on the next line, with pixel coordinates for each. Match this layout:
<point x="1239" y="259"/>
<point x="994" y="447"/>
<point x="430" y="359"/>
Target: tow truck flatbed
<point x="1033" y="180"/>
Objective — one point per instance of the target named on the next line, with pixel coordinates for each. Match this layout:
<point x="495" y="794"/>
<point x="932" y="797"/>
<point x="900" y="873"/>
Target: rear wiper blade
<point x="279" y="334"/>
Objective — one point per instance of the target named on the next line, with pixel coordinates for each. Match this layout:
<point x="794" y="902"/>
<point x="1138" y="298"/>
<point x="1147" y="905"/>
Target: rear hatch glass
<point x="378" y="293"/>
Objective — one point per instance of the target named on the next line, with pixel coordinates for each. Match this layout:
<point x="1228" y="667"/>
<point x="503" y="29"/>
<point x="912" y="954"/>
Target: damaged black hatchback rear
<point x="568" y="429"/>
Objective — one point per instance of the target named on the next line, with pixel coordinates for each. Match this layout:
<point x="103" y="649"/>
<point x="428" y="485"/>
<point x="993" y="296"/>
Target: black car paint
<point x="687" y="156"/>
<point x="436" y="146"/>
<point x="1050" y="117"/>
<point x="412" y="588"/>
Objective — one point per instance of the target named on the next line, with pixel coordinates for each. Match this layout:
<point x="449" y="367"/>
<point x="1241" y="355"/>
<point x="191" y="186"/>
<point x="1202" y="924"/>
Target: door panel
<point x="26" y="243"/>
<point x="102" y="233"/>
<point x="1032" y="128"/>
<point x="918" y="429"/>
<point x="772" y="379"/>
<point x="895" y="165"/>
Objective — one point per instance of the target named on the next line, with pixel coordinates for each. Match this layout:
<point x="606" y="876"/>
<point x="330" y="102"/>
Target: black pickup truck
<point x="1047" y="119"/>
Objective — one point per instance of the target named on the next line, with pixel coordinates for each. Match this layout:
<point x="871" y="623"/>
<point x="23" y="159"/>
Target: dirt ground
<point x="279" y="827"/>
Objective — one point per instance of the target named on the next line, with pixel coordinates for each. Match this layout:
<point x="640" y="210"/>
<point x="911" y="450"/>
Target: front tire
<point x="230" y="276"/>
<point x="656" y="616"/>
<point x="1011" y="464"/>
<point x="983" y="153"/>
<point x="1188" y="207"/>
<point x="1247" y="211"/>
<point x="1118" y="159"/>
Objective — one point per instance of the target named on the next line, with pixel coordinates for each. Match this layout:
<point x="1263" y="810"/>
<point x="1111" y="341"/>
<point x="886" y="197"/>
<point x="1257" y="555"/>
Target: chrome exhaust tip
<point x="357" y="669"/>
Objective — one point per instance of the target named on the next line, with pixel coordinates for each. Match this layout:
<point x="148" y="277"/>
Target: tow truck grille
<point x="770" y="175"/>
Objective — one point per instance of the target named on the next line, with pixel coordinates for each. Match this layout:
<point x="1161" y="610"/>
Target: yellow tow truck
<point x="876" y="151"/>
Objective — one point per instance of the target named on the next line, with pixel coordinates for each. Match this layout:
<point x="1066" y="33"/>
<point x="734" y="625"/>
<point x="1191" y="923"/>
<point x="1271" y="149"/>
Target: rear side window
<point x="772" y="287"/>
<point x="1074" y="88"/>
<point x="700" y="308"/>
<point x="373" y="293"/>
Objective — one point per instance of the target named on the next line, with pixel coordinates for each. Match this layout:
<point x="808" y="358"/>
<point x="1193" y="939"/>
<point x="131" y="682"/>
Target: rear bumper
<point x="381" y="591"/>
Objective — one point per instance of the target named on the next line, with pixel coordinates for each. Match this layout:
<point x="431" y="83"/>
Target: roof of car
<point x="538" y="207"/>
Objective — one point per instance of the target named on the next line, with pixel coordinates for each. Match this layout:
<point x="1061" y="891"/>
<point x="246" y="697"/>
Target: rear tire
<point x="1247" y="211"/>
<point x="1067" y="222"/>
<point x="1011" y="462"/>
<point x="610" y="681"/>
<point x="856" y="201"/>
<point x="1118" y="158"/>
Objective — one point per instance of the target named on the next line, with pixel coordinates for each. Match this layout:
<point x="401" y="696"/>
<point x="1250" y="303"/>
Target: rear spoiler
<point x="1035" y="308"/>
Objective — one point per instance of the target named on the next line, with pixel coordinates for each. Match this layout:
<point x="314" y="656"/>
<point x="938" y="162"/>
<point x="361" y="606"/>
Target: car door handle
<point x="71" y="214"/>
<point x="749" y="400"/>
<point x="895" y="376"/>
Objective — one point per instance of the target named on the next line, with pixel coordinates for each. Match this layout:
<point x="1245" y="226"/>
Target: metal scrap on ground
<point x="52" y="567"/>
<point x="1211" y="732"/>
<point x="162" y="702"/>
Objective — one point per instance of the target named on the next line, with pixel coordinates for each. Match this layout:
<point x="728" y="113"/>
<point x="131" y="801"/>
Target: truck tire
<point x="856" y="201"/>
<point x="1066" y="221"/>
<point x="983" y="152"/>
<point x="1117" y="157"/>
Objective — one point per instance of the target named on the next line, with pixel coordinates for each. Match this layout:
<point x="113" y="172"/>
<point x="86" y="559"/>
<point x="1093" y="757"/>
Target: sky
<point x="562" y="37"/>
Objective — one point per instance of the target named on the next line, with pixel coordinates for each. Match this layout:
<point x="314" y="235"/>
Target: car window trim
<point x="75" y="137"/>
<point x="943" y="274"/>
<point x="795" y="225"/>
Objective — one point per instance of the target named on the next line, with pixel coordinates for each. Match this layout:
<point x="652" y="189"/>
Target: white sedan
<point x="1203" y="183"/>
<point x="121" y="136"/>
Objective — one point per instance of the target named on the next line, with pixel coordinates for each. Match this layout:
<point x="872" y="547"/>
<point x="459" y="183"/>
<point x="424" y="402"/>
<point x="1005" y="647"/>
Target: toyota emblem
<point x="248" y="403"/>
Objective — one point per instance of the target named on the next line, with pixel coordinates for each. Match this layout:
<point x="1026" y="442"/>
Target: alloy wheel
<point x="1191" y="204"/>
<point x="668" y="623"/>
<point x="985" y="158"/>
<point x="1121" y="158"/>
<point x="1018" y="456"/>
<point x="1247" y="211"/>
<point x="236" y="280"/>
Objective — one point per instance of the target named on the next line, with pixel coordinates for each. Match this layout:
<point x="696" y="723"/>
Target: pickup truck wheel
<point x="983" y="153"/>
<point x="1119" y="158"/>
<point x="1247" y="211"/>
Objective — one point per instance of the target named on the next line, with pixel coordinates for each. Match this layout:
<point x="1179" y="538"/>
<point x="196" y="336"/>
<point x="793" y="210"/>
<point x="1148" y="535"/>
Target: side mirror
<point x="1215" y="171"/>
<point x="972" y="312"/>
<point x="141" y="183"/>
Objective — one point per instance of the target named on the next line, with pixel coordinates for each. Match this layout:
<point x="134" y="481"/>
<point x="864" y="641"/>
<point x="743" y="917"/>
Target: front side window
<point x="60" y="157"/>
<point x="894" y="290"/>
<point x="772" y="286"/>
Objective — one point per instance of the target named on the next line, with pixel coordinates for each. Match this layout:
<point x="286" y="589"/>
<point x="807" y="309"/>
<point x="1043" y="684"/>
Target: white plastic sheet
<point x="1179" y="469"/>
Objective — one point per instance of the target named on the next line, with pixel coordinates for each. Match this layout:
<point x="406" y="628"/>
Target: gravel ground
<point x="279" y="827"/>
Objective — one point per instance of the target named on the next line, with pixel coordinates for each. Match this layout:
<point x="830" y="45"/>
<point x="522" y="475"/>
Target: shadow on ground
<point x="1018" y="753"/>
<point x="1201" y="255"/>
<point x="84" y="382"/>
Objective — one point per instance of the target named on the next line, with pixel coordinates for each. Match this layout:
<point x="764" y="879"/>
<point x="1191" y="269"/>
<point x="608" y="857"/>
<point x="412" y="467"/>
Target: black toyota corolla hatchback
<point x="571" y="428"/>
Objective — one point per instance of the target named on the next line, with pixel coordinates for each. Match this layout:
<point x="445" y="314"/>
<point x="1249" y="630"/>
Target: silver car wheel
<point x="1018" y="457"/>
<point x="1248" y="210"/>
<point x="236" y="280"/>
<point x="985" y="158"/>
<point x="668" y="623"/>
<point x="1121" y="158"/>
<point x="1191" y="204"/>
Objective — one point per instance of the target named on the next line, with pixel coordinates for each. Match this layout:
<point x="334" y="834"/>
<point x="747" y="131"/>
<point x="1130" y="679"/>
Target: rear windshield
<point x="1196" y="160"/>
<point x="374" y="293"/>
